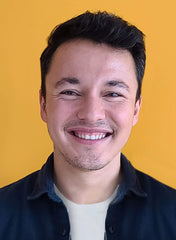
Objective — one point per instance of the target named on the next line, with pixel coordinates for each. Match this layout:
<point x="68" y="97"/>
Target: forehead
<point x="84" y="59"/>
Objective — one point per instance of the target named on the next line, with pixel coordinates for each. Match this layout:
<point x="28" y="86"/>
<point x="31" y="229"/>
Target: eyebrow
<point x="73" y="81"/>
<point x="117" y="83"/>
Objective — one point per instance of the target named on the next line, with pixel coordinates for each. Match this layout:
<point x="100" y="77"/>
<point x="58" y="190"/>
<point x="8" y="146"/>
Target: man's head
<point x="92" y="71"/>
<point x="99" y="27"/>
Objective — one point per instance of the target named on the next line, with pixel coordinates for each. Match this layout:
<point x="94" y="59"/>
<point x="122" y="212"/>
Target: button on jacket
<point x="143" y="208"/>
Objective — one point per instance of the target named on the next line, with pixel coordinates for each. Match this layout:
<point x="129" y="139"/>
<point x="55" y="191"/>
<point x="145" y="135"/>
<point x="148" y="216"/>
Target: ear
<point x="42" y="107"/>
<point x="136" y="110"/>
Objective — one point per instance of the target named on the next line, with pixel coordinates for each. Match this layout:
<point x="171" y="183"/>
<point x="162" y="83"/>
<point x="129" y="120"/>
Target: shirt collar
<point x="130" y="182"/>
<point x="44" y="183"/>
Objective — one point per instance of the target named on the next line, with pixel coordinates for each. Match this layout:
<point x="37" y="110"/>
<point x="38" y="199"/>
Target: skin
<point x="90" y="109"/>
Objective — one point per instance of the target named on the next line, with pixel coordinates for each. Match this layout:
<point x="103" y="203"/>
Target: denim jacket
<point x="143" y="208"/>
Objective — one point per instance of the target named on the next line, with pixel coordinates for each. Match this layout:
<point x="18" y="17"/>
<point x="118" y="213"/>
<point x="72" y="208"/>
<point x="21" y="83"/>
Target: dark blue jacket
<point x="144" y="208"/>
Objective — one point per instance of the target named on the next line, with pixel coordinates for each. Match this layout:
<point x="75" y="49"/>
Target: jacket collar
<point x="44" y="183"/>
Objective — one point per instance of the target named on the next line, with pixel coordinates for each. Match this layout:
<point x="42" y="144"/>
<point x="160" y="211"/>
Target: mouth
<point x="94" y="136"/>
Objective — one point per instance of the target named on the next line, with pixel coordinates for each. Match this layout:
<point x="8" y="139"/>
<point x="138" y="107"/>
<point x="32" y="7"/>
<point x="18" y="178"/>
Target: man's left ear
<point x="136" y="110"/>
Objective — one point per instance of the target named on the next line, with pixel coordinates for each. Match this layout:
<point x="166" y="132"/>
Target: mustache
<point x="84" y="123"/>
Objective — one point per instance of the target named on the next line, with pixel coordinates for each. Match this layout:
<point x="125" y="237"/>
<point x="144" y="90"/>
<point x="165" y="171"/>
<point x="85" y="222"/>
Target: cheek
<point x="59" y="112"/>
<point x="122" y="116"/>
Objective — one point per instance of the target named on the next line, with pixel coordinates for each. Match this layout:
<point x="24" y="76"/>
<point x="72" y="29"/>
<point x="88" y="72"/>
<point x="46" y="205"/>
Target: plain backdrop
<point x="24" y="28"/>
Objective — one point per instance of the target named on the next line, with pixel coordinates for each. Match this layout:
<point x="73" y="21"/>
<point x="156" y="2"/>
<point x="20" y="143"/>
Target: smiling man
<point x="90" y="98"/>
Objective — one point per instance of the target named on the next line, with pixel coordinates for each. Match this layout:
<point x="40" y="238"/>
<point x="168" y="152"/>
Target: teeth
<point x="94" y="136"/>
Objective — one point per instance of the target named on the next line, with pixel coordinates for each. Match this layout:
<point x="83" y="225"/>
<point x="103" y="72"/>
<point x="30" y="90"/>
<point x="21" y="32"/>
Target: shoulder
<point x="156" y="191"/>
<point x="143" y="183"/>
<point x="17" y="190"/>
<point x="13" y="199"/>
<point x="29" y="187"/>
<point x="151" y="183"/>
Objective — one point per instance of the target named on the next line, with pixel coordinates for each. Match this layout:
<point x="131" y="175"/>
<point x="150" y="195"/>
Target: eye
<point x="113" y="94"/>
<point x="70" y="93"/>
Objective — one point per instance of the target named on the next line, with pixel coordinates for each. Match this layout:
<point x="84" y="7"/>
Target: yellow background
<point x="24" y="27"/>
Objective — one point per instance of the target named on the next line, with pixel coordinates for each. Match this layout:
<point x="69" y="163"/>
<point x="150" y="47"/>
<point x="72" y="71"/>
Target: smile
<point x="90" y="136"/>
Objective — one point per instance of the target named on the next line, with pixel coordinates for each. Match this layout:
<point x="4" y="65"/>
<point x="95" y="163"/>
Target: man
<point x="90" y="98"/>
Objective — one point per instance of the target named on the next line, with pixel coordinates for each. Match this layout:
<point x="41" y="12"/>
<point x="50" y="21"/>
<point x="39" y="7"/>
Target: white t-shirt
<point x="87" y="221"/>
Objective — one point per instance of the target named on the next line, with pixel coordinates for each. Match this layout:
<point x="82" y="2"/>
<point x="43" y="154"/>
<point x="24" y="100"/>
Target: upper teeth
<point x="90" y="136"/>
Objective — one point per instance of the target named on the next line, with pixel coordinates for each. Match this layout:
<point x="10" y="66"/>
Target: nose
<point x="91" y="110"/>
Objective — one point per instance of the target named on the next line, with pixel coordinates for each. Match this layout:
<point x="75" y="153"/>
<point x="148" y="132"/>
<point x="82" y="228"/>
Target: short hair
<point x="99" y="27"/>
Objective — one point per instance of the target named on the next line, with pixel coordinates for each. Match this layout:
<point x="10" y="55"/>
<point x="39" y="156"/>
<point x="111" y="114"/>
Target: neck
<point x="86" y="186"/>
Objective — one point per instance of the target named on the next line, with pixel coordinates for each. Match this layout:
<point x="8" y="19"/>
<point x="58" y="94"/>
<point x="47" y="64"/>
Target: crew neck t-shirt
<point x="87" y="221"/>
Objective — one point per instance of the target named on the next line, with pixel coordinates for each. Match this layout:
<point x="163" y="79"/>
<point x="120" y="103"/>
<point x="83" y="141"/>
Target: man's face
<point x="90" y="105"/>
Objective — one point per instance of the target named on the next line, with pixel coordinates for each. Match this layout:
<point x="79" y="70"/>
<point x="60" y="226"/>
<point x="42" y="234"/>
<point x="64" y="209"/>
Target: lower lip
<point x="89" y="142"/>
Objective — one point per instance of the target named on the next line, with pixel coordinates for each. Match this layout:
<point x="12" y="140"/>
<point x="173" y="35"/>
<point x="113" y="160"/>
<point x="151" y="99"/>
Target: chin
<point x="87" y="163"/>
